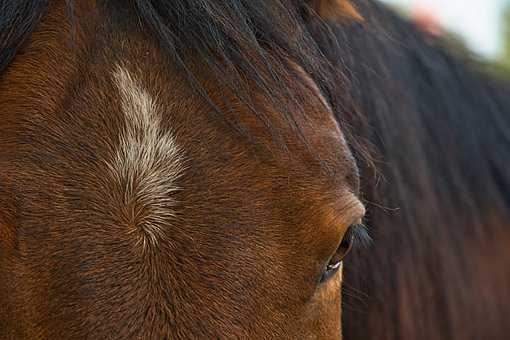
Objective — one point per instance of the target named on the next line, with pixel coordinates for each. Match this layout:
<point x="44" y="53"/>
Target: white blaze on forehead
<point x="146" y="164"/>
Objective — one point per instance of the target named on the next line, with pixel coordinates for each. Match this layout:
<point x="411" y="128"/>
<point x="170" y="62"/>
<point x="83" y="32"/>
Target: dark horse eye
<point x="342" y="251"/>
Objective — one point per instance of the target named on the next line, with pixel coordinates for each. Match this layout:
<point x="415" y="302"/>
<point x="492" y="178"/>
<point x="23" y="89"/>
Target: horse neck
<point x="440" y="128"/>
<point x="426" y="107"/>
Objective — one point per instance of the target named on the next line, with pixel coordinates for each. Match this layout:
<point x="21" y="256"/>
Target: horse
<point x="438" y="197"/>
<point x="172" y="169"/>
<point x="192" y="170"/>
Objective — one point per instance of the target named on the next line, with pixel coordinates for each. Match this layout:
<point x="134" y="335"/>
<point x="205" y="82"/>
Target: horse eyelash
<point x="361" y="236"/>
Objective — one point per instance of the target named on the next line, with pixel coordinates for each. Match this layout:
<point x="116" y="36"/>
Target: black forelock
<point x="236" y="39"/>
<point x="17" y="21"/>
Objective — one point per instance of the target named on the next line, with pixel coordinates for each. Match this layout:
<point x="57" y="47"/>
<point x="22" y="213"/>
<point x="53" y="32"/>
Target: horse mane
<point x="440" y="208"/>
<point x="235" y="39"/>
<point x="17" y="21"/>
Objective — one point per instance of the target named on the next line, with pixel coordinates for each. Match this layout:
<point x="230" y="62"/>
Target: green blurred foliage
<point x="504" y="59"/>
<point x="499" y="66"/>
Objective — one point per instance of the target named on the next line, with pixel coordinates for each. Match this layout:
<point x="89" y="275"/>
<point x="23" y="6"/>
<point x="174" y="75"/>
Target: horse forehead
<point x="148" y="143"/>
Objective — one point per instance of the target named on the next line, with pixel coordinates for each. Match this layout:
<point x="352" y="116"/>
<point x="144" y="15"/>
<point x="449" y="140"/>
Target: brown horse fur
<point x="147" y="190"/>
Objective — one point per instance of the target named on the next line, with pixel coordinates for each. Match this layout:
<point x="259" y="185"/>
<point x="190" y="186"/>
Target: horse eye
<point x="336" y="260"/>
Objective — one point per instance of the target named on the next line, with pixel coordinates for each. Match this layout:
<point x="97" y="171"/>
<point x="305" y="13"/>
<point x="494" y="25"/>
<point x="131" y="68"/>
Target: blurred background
<point x="478" y="28"/>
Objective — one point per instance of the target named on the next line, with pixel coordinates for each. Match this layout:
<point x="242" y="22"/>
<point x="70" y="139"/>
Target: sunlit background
<point x="482" y="25"/>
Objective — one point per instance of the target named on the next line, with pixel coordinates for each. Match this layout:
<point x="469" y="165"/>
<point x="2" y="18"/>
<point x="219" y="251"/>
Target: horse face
<point x="263" y="223"/>
<point x="129" y="210"/>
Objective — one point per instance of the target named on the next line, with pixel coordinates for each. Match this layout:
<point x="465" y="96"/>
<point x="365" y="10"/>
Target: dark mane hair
<point x="439" y="215"/>
<point x="235" y="39"/>
<point x="17" y="21"/>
